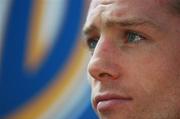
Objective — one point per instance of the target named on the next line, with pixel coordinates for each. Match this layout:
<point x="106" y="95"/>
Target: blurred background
<point x="43" y="60"/>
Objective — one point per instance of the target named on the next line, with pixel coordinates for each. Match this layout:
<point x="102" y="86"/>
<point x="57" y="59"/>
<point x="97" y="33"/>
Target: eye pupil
<point x="92" y="43"/>
<point x="133" y="37"/>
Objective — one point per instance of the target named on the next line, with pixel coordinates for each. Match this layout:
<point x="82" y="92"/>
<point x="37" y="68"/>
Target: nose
<point x="104" y="64"/>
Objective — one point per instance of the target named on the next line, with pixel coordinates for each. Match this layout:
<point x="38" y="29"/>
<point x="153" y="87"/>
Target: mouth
<point x="105" y="102"/>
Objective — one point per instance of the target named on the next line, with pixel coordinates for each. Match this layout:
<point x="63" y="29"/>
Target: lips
<point x="108" y="101"/>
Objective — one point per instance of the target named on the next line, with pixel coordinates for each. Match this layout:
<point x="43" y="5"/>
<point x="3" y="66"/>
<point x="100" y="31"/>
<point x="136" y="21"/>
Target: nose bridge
<point x="106" y="47"/>
<point x="104" y="63"/>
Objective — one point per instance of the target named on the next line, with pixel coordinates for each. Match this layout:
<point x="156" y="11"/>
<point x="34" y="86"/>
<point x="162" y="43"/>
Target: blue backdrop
<point x="43" y="62"/>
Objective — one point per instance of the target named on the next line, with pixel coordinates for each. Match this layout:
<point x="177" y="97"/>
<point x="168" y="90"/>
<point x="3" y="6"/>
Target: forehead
<point x="120" y="6"/>
<point x="103" y="9"/>
<point x="95" y="3"/>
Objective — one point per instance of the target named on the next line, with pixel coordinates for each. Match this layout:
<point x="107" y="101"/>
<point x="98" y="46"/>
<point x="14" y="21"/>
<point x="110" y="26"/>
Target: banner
<point x="43" y="61"/>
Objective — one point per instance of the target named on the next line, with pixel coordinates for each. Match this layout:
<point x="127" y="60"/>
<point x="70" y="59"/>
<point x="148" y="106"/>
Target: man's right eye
<point x="92" y="42"/>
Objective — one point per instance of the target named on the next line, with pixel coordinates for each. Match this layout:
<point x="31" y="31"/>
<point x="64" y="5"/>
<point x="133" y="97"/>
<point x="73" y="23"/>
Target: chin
<point x="115" y="115"/>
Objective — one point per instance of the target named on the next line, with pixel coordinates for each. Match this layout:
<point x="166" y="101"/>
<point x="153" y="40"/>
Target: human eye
<point x="134" y="37"/>
<point x="92" y="42"/>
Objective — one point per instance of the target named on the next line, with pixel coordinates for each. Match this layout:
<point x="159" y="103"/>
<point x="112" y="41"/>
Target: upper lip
<point x="108" y="96"/>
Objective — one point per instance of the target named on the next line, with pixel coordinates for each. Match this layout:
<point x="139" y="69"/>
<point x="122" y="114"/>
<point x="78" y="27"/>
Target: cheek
<point x="154" y="79"/>
<point x="159" y="72"/>
<point x="159" y="79"/>
<point x="154" y="72"/>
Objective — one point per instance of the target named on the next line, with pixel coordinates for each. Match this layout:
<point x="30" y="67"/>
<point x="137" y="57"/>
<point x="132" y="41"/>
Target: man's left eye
<point x="133" y="37"/>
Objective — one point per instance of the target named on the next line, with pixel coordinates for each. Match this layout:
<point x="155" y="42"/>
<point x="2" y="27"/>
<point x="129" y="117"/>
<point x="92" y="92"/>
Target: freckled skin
<point x="147" y="71"/>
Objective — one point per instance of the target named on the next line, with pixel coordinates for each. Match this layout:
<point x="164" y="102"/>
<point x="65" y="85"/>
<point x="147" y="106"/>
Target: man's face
<point x="135" y="65"/>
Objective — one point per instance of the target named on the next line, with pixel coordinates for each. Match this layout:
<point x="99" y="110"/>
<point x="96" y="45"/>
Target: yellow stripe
<point x="41" y="104"/>
<point x="36" y="48"/>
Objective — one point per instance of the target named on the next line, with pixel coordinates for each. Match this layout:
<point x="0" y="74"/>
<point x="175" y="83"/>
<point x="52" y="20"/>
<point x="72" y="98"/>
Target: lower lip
<point x="110" y="104"/>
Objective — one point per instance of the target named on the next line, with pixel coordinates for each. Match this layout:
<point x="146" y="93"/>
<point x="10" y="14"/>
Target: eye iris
<point x="92" y="43"/>
<point x="133" y="37"/>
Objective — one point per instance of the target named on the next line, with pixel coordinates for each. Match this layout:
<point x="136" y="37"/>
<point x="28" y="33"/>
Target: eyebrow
<point x="90" y="30"/>
<point x="131" y="22"/>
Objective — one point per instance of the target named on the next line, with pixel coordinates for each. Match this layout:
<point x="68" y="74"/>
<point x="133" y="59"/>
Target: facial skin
<point x="134" y="70"/>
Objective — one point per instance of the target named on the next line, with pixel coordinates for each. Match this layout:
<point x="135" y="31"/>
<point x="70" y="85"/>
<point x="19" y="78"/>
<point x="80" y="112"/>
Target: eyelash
<point x="92" y="41"/>
<point x="138" y="37"/>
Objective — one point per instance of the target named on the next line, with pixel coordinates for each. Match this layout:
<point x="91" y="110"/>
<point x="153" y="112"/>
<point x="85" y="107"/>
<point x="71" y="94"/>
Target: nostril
<point x="101" y="70"/>
<point x="108" y="76"/>
<point x="102" y="75"/>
